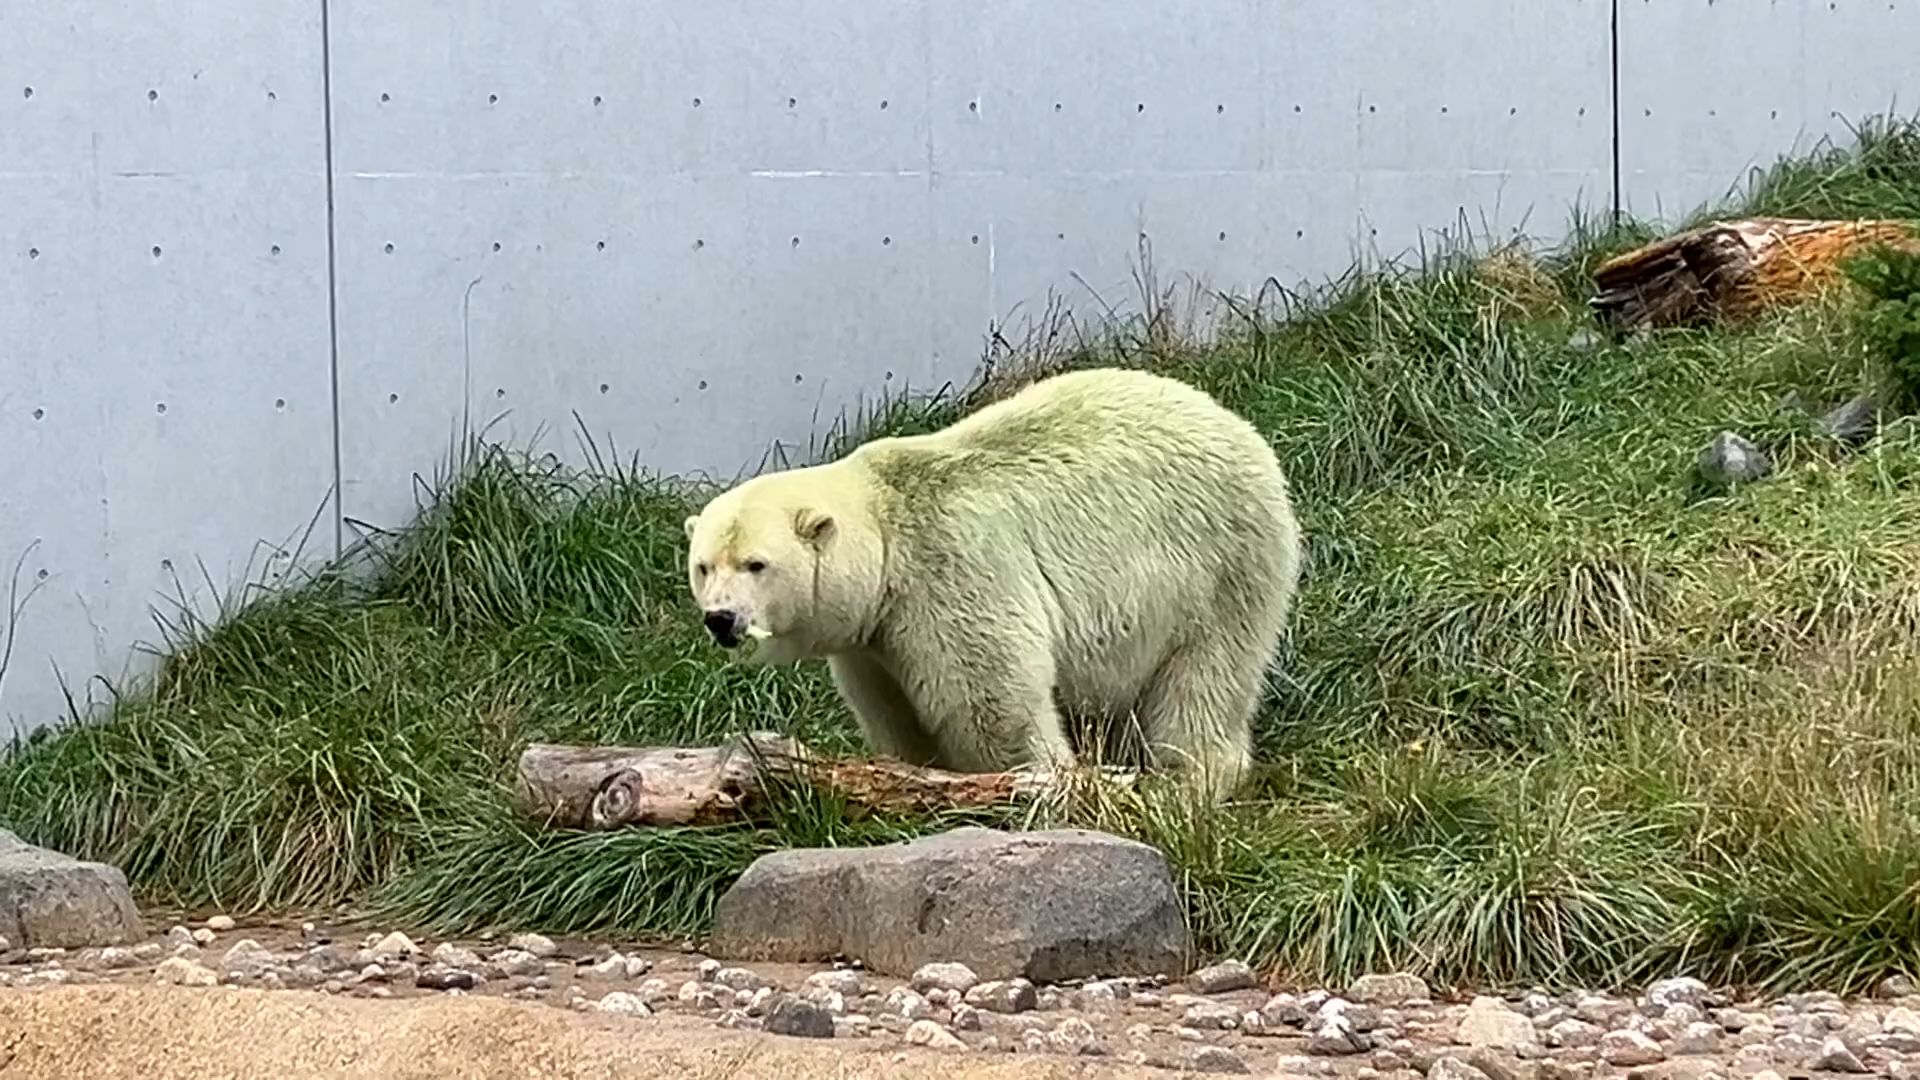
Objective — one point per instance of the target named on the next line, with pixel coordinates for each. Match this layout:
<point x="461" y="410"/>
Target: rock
<point x="1835" y="1056"/>
<point x="1586" y="340"/>
<point x="1223" y="977"/>
<point x="395" y="946"/>
<point x="1284" y="1010"/>
<point x="1075" y="1036"/>
<point x="1896" y="986"/>
<point x="966" y="1018"/>
<point x="220" y="924"/>
<point x="1397" y="989"/>
<point x="204" y="937"/>
<point x="929" y="1034"/>
<point x="621" y="1003"/>
<point x="1600" y="1010"/>
<point x="1698" y="1038"/>
<point x="698" y="995"/>
<point x="1901" y="1021"/>
<point x="1574" y="1032"/>
<point x="179" y="971"/>
<point x="739" y="978"/>
<point x="611" y="967"/>
<point x="1098" y="996"/>
<point x="1009" y="996"/>
<point x="179" y="935"/>
<point x="1217" y="1059"/>
<point x="905" y="1003"/>
<point x="1452" y="1068"/>
<point x="516" y="962"/>
<point x="1488" y="1022"/>
<point x="454" y="956"/>
<point x="56" y="901"/>
<point x="1335" y="1036"/>
<point x="1210" y="1016"/>
<point x="539" y="945"/>
<point x="958" y="978"/>
<point x="1628" y="1049"/>
<point x="846" y="983"/>
<point x="799" y="1018"/>
<point x="1048" y="906"/>
<point x="1667" y="993"/>
<point x="442" y="977"/>
<point x="1854" y="420"/>
<point x="1730" y="459"/>
<point x="247" y="958"/>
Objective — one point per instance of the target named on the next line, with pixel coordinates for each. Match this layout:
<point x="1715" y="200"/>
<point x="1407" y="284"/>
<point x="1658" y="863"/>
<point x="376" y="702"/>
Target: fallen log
<point x="611" y="787"/>
<point x="1732" y="269"/>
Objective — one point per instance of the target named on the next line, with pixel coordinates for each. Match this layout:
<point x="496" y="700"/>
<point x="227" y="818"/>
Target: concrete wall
<point x="257" y="259"/>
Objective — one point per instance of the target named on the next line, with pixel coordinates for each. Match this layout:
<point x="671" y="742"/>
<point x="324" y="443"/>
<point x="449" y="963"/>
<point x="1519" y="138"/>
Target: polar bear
<point x="1109" y="546"/>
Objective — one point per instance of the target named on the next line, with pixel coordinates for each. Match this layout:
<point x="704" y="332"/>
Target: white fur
<point x="1111" y="544"/>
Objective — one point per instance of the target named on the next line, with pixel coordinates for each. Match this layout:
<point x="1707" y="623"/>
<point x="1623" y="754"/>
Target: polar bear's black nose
<point x="725" y="628"/>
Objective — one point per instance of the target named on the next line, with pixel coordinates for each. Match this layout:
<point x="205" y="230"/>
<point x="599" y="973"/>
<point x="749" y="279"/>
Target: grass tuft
<point x="1546" y="718"/>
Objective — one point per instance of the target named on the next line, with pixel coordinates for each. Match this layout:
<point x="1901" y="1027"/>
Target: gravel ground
<point x="657" y="1003"/>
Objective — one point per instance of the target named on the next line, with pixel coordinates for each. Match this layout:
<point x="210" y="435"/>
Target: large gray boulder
<point x="50" y="900"/>
<point x="1046" y="906"/>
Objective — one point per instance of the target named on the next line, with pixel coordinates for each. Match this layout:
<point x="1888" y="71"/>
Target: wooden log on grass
<point x="1732" y="269"/>
<point x="611" y="787"/>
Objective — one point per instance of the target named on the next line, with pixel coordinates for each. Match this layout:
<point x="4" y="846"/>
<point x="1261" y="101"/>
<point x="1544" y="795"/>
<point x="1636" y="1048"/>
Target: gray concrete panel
<point x="166" y="398"/>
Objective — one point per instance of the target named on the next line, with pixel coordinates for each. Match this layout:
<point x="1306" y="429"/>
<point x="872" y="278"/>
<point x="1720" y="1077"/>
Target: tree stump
<point x="611" y="787"/>
<point x="1732" y="269"/>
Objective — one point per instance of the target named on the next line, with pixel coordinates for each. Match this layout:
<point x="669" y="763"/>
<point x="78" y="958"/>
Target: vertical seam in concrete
<point x="1613" y="33"/>
<point x="333" y="290"/>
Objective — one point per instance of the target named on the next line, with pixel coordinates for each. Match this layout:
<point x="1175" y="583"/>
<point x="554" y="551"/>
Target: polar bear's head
<point x="774" y="564"/>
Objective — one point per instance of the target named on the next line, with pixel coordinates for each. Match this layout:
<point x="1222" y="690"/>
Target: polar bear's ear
<point x="692" y="520"/>
<point x="813" y="526"/>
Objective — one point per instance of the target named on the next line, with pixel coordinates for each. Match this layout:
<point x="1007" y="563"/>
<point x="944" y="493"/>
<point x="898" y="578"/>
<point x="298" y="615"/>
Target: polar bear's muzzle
<point x="726" y="626"/>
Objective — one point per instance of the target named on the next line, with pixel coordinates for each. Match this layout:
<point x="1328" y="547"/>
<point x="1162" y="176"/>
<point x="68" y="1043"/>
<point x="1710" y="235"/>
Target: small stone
<point x="220" y="924"/>
<point x="1600" y="1010"/>
<point x="1698" y="1038"/>
<point x="611" y="967"/>
<point x="246" y="958"/>
<point x="1853" y="420"/>
<point x="179" y="935"/>
<point x="958" y="978"/>
<point x="1284" y="1010"/>
<point x="854" y="1026"/>
<point x="179" y="971"/>
<point x="929" y="1034"/>
<point x="905" y="1003"/>
<point x="147" y="952"/>
<point x="1216" y="1059"/>
<point x="203" y="937"/>
<point x="1628" y="1049"/>
<point x="538" y="944"/>
<point x="1731" y="459"/>
<point x="845" y="983"/>
<point x="442" y="977"/>
<point x="1452" y="1068"/>
<point x="1574" y="1032"/>
<point x="1488" y="1022"/>
<point x="516" y="962"/>
<point x="799" y="1018"/>
<point x="1008" y="996"/>
<point x="1075" y="1036"/>
<point x="1901" y="1021"/>
<point x="1396" y="989"/>
<point x="454" y="956"/>
<point x="966" y="1018"/>
<point x="698" y="995"/>
<point x="1835" y="1056"/>
<point x="763" y="999"/>
<point x="1211" y="1016"/>
<point x="1896" y="986"/>
<point x="1667" y="993"/>
<point x="739" y="978"/>
<point x="1585" y="340"/>
<point x="1335" y="1036"/>
<point x="1223" y="977"/>
<point x="395" y="946"/>
<point x="621" y="1003"/>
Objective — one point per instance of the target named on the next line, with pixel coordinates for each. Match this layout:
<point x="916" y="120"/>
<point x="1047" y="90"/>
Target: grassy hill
<point x="1548" y="716"/>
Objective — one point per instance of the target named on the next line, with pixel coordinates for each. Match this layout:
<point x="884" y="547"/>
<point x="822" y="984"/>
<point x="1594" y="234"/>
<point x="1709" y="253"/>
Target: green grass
<point x="1548" y="717"/>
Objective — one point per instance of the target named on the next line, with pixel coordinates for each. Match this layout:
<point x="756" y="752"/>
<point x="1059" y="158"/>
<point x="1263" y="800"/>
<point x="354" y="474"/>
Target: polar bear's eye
<point x="755" y="566"/>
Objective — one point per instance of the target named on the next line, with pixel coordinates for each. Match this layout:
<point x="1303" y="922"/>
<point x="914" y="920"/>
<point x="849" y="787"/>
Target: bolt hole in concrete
<point x="160" y="407"/>
<point x="39" y="414"/>
<point x="153" y="95"/>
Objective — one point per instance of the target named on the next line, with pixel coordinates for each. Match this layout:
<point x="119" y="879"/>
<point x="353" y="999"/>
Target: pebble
<point x="1336" y="1036"/>
<point x="1011" y="996"/>
<point x="1284" y="1010"/>
<point x="394" y="946"/>
<point x="202" y="937"/>
<point x="179" y="971"/>
<point x="1835" y="1056"/>
<point x="1574" y="1032"/>
<point x="1452" y="1068"/>
<point x="1223" y="977"/>
<point x="966" y="1018"/>
<point x="1395" y="989"/>
<point x="800" y="1018"/>
<point x="930" y="1034"/>
<point x="904" y="1003"/>
<point x="1698" y="1038"/>
<point x="539" y="945"/>
<point x="1217" y="1059"/>
<point x="1628" y="1049"/>
<point x="844" y="983"/>
<point x="957" y="978"/>
<point x="517" y="962"/>
<point x="1901" y="1021"/>
<point x="1211" y="1016"/>
<point x="1489" y="1022"/>
<point x="739" y="978"/>
<point x="1075" y="1036"/>
<point x="1893" y="986"/>
<point x="621" y="1003"/>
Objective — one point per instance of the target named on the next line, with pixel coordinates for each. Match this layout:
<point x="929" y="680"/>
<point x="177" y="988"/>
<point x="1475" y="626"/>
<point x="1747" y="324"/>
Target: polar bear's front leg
<point x="887" y="717"/>
<point x="987" y="704"/>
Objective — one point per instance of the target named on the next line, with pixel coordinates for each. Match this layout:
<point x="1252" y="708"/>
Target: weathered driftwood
<point x="610" y="787"/>
<point x="1732" y="269"/>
